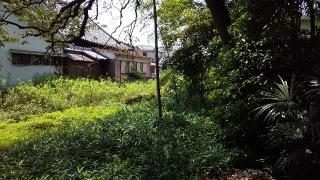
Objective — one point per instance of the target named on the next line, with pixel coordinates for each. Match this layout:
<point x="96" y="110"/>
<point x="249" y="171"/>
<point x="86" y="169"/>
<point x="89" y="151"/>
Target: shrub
<point x="292" y="131"/>
<point x="137" y="75"/>
<point x="43" y="78"/>
<point x="177" y="94"/>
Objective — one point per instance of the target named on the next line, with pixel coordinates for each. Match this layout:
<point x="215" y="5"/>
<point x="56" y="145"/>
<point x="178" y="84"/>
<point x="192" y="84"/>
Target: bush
<point x="137" y="75"/>
<point x="177" y="94"/>
<point x="43" y="78"/>
<point x="132" y="143"/>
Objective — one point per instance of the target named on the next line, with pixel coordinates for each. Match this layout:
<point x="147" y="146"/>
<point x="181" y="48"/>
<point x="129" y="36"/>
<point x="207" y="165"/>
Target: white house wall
<point x="16" y="73"/>
<point x="131" y="59"/>
<point x="152" y="54"/>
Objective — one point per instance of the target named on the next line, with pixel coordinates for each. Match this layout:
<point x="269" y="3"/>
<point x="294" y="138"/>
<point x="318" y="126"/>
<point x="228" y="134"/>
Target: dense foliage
<point x="236" y="78"/>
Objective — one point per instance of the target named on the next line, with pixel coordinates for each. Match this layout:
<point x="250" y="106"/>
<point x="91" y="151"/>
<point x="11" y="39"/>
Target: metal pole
<point x="157" y="57"/>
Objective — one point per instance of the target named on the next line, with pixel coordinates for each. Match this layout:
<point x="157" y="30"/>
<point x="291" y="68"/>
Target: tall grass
<point x="36" y="108"/>
<point x="16" y="132"/>
<point x="26" y="100"/>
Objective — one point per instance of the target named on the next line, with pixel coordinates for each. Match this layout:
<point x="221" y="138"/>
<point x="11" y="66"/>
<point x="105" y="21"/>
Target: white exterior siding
<point x="16" y="73"/>
<point x="152" y="55"/>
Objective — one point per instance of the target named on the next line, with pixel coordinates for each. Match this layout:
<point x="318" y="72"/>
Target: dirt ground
<point x="248" y="174"/>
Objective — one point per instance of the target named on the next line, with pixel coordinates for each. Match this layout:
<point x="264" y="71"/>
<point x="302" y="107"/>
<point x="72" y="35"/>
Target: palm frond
<point x="279" y="102"/>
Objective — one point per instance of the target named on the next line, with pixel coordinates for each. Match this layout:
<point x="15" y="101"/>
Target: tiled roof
<point x="150" y="48"/>
<point x="109" y="44"/>
<point x="98" y="35"/>
<point x="86" y="51"/>
<point x="79" y="57"/>
<point x="106" y="53"/>
<point x="19" y="51"/>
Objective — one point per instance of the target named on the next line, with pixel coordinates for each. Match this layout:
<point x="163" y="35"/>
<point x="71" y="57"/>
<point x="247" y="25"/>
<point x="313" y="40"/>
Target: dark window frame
<point x="141" y="67"/>
<point x="21" y="59"/>
<point x="127" y="67"/>
<point x="35" y="60"/>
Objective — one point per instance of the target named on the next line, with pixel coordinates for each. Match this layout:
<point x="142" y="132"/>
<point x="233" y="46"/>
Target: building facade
<point x="149" y="52"/>
<point x="96" y="55"/>
<point x="22" y="61"/>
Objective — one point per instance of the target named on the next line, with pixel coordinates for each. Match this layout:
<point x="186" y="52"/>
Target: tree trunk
<point x="310" y="4"/>
<point x="221" y="17"/>
<point x="155" y="18"/>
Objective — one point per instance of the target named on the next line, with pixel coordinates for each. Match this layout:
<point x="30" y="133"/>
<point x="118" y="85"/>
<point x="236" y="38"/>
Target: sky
<point x="109" y="18"/>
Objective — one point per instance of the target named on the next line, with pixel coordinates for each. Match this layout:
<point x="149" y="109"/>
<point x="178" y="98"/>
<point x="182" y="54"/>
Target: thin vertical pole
<point x="157" y="57"/>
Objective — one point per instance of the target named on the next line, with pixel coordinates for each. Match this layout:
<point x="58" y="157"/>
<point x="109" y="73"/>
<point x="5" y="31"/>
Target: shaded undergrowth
<point x="131" y="143"/>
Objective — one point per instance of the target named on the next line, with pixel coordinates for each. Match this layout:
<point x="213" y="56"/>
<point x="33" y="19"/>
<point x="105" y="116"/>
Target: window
<point x="36" y="60"/>
<point x="21" y="59"/>
<point x="46" y="61"/>
<point x="58" y="61"/>
<point x="31" y="59"/>
<point x="141" y="67"/>
<point x="127" y="67"/>
<point x="145" y="53"/>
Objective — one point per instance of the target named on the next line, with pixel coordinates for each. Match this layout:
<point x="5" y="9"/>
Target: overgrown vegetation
<point x="232" y="67"/>
<point x="241" y="91"/>
<point x="13" y="132"/>
<point x="36" y="108"/>
<point x="115" y="142"/>
<point x="35" y="98"/>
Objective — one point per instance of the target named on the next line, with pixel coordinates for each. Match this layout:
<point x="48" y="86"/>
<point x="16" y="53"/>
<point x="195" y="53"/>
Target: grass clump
<point x="131" y="143"/>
